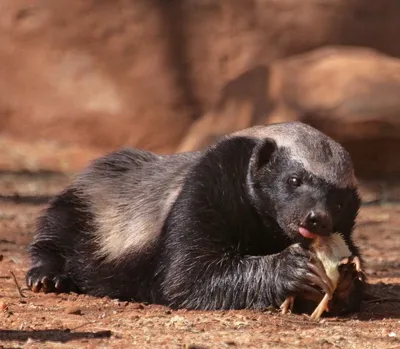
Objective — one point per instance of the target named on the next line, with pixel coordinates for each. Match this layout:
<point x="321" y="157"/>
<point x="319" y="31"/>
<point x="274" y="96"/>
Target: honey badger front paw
<point x="348" y="294"/>
<point x="300" y="273"/>
<point x="40" y="278"/>
<point x="353" y="262"/>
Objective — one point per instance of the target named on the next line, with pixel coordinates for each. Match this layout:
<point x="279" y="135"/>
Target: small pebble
<point x="29" y="341"/>
<point x="3" y="306"/>
<point x="193" y="346"/>
<point x="74" y="311"/>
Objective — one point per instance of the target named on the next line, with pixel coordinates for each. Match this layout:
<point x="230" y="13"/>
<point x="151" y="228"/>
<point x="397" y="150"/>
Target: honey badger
<point x="223" y="228"/>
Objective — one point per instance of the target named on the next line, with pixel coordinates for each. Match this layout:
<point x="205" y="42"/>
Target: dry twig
<point x="17" y="285"/>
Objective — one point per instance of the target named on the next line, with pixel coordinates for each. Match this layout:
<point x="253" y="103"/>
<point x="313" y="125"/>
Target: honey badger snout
<point x="318" y="221"/>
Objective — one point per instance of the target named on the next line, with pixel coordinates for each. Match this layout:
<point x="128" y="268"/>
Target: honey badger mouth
<point x="307" y="234"/>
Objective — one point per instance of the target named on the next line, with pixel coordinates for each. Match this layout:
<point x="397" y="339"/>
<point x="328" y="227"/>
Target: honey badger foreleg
<point x="210" y="282"/>
<point x="56" y="232"/>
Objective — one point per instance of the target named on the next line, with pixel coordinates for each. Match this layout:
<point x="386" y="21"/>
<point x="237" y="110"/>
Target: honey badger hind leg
<point x="56" y="234"/>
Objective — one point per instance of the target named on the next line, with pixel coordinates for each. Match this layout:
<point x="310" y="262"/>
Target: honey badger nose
<point x="319" y="222"/>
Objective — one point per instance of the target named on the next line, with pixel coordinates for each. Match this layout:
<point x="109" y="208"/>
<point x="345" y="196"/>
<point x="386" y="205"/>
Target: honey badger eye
<point x="295" y="181"/>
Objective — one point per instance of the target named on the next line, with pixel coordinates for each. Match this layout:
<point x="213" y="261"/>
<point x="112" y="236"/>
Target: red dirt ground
<point x="79" y="321"/>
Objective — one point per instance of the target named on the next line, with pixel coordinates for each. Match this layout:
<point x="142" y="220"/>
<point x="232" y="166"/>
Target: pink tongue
<point x="307" y="234"/>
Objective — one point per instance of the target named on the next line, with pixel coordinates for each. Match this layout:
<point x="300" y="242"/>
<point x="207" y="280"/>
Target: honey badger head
<point x="303" y="180"/>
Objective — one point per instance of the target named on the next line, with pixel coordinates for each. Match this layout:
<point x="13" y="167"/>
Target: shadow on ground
<point x="382" y="302"/>
<point x="50" y="335"/>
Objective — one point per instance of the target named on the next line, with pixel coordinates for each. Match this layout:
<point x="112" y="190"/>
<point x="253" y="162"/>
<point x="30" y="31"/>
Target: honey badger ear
<point x="262" y="153"/>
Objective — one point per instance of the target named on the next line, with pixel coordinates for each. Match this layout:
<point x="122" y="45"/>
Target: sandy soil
<point x="79" y="321"/>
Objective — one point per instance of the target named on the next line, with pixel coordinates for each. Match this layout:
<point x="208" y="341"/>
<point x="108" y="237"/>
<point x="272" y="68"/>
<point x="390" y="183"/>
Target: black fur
<point x="229" y="241"/>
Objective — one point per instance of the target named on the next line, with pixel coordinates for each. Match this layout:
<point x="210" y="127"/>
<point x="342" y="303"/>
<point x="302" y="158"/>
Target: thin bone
<point x="322" y="306"/>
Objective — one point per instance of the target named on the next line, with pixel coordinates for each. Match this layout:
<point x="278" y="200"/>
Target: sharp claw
<point x="29" y="282"/>
<point x="57" y="284"/>
<point x="322" y="274"/>
<point x="60" y="283"/>
<point x="356" y="261"/>
<point x="36" y="286"/>
<point x="317" y="281"/>
<point x="46" y="284"/>
<point x="361" y="276"/>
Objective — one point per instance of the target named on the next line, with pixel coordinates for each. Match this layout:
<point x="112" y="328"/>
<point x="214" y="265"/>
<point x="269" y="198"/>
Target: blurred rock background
<point x="82" y="77"/>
